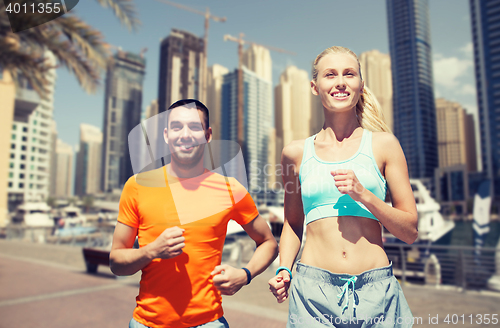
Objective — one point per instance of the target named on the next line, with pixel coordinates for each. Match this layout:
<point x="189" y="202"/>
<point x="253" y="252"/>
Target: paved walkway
<point x="46" y="286"/>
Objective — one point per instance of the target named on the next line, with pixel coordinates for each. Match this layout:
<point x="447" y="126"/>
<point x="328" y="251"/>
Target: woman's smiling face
<point x="338" y="82"/>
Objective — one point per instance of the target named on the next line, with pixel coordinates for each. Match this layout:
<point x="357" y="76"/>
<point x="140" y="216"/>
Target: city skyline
<point x="452" y="30"/>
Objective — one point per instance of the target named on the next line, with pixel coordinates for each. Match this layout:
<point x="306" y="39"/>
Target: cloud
<point x="468" y="89"/>
<point x="447" y="70"/>
<point x="467" y="50"/>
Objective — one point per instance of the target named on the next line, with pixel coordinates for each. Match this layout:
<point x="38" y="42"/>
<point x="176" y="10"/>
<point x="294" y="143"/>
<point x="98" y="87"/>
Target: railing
<point x="462" y="266"/>
<point x="99" y="238"/>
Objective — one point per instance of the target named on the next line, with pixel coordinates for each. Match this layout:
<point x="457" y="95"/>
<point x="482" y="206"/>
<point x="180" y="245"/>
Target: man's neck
<point x="178" y="171"/>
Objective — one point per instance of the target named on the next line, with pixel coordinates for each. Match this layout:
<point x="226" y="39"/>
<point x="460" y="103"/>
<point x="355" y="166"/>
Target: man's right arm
<point x="124" y="260"/>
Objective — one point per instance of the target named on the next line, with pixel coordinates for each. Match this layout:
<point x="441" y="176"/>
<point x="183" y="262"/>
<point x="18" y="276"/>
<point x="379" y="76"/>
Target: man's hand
<point x="278" y="285"/>
<point x="228" y="280"/>
<point x="169" y="244"/>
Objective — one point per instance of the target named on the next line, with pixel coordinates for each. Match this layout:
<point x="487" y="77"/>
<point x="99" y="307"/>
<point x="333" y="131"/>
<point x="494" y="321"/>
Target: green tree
<point x="76" y="45"/>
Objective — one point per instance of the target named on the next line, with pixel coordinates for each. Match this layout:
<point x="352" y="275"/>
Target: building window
<point x="25" y="129"/>
<point x="32" y="158"/>
<point x="113" y="130"/>
<point x="14" y="127"/>
<point x="31" y="176"/>
<point x="12" y="156"/>
<point x="113" y="117"/>
<point x="13" y="137"/>
<point x="10" y="184"/>
<point x="112" y="145"/>
<point x="21" y="185"/>
<point x="21" y="176"/>
<point x="34" y="122"/>
<point x="11" y="165"/>
<point x="23" y="157"/>
<point x="11" y="175"/>
<point x="31" y="186"/>
<point x="33" y="149"/>
<point x="34" y="139"/>
<point x="12" y="146"/>
<point x="22" y="166"/>
<point x="23" y="147"/>
<point x="113" y="102"/>
<point x="24" y="138"/>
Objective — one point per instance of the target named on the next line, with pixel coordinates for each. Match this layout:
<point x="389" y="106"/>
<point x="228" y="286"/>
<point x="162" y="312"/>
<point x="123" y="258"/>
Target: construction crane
<point x="241" y="43"/>
<point x="208" y="16"/>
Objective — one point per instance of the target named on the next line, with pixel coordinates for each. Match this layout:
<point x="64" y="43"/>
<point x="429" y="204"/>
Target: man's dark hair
<point x="199" y="105"/>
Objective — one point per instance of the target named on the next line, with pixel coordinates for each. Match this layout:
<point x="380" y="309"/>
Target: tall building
<point x="292" y="108"/>
<point x="122" y="112"/>
<point x="7" y="104"/>
<point x="88" y="161"/>
<point x="30" y="149"/>
<point x="256" y="122"/>
<point x="317" y="115"/>
<point x="486" y="38"/>
<point x="456" y="139"/>
<point x="214" y="94"/>
<point x="181" y="63"/>
<point x="413" y="93"/>
<point x="258" y="60"/>
<point x="53" y="158"/>
<point x="64" y="164"/>
<point x="376" y="73"/>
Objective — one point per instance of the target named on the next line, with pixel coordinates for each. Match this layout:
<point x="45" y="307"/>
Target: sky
<point x="299" y="26"/>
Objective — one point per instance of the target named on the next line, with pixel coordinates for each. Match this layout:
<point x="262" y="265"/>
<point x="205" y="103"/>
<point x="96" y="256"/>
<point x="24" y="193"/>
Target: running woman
<point x="336" y="183"/>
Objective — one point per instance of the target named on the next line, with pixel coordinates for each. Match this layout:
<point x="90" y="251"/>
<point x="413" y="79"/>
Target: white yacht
<point x="432" y="227"/>
<point x="33" y="214"/>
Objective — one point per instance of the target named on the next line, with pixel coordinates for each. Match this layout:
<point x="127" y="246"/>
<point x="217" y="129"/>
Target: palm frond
<point x="124" y="10"/>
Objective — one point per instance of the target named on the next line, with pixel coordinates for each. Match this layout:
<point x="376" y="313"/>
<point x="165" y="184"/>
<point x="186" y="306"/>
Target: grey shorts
<point x="319" y="298"/>
<point x="219" y="323"/>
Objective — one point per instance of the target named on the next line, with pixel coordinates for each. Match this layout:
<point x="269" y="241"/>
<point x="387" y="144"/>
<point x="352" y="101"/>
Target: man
<point x="180" y="246"/>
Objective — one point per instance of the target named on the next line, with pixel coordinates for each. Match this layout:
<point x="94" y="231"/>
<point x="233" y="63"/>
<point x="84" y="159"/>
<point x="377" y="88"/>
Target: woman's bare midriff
<point x="344" y="244"/>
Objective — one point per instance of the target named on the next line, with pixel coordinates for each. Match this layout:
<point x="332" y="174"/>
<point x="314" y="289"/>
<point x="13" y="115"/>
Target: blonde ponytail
<point x="368" y="109"/>
<point x="369" y="112"/>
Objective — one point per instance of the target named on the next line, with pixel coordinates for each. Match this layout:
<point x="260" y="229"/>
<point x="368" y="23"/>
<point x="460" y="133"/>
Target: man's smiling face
<point x="186" y="136"/>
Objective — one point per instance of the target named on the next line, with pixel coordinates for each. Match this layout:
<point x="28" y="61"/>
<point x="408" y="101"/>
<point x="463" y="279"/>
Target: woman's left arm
<point x="401" y="219"/>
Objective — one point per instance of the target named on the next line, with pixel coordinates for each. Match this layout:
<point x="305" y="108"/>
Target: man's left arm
<point x="228" y="279"/>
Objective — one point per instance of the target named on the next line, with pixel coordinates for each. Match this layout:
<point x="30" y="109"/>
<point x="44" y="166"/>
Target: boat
<point x="33" y="215"/>
<point x="432" y="227"/>
<point x="71" y="216"/>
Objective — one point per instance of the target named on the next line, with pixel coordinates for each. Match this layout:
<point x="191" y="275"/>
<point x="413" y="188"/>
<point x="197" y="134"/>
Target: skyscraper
<point x="256" y="122"/>
<point x="486" y="38"/>
<point x="258" y="60"/>
<point x="88" y="161"/>
<point x="455" y="137"/>
<point x="216" y="74"/>
<point x="292" y="99"/>
<point x="29" y="165"/>
<point x="7" y="103"/>
<point x="413" y="94"/>
<point x="122" y="104"/>
<point x="64" y="164"/>
<point x="181" y="63"/>
<point x="376" y="73"/>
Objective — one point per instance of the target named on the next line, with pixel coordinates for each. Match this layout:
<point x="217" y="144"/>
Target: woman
<point x="336" y="181"/>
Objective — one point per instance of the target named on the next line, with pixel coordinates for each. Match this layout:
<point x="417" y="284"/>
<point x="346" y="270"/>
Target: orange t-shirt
<point x="179" y="292"/>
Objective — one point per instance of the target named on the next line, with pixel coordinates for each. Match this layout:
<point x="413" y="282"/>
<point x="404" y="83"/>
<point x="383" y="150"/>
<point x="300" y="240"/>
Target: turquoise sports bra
<point x="320" y="196"/>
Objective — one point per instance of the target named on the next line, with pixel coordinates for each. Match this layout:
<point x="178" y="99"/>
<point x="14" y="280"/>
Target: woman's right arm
<point x="291" y="236"/>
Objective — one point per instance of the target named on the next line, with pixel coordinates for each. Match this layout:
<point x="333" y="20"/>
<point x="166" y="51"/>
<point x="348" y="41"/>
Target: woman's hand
<point x="279" y="285"/>
<point x="348" y="184"/>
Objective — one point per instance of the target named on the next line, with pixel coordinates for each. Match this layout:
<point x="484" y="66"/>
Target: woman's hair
<point x="368" y="109"/>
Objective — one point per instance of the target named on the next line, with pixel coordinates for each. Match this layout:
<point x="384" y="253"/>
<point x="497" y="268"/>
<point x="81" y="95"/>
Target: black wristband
<point x="249" y="275"/>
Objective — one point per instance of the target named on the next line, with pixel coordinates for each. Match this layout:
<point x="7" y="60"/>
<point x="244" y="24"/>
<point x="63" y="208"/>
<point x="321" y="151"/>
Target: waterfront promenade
<point x="46" y="286"/>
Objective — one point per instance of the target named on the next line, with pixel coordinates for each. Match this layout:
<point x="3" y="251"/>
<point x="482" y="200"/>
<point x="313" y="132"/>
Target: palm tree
<point x="76" y="45"/>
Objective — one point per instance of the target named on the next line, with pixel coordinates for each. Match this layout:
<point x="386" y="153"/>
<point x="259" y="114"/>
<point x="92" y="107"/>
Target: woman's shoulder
<point x="292" y="153"/>
<point x="384" y="139"/>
